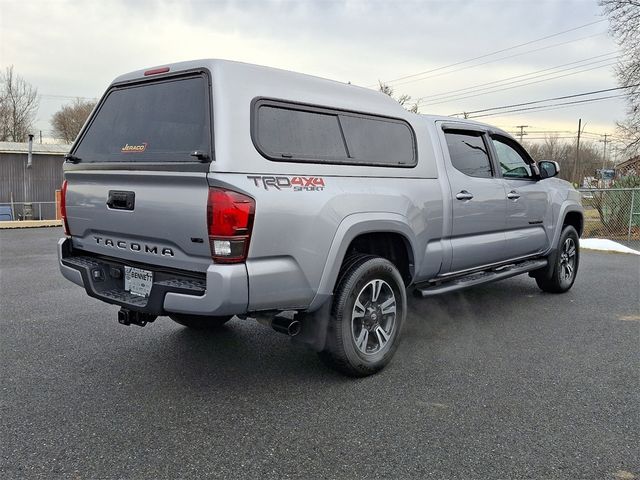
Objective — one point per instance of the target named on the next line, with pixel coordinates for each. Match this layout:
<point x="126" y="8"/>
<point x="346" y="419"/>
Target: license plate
<point x="138" y="281"/>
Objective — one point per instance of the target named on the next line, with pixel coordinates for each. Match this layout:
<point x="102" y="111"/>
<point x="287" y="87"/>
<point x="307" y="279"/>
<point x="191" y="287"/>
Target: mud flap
<point x="547" y="271"/>
<point x="313" y="332"/>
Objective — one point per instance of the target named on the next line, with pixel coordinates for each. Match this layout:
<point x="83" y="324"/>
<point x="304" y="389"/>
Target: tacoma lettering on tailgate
<point x="134" y="246"/>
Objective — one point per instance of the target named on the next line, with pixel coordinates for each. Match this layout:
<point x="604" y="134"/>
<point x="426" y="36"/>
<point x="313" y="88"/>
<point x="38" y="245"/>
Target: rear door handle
<point x="513" y="195"/>
<point x="464" y="195"/>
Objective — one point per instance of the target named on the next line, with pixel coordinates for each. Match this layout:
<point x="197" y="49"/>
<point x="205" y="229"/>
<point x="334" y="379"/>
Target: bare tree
<point x="565" y="154"/>
<point x="67" y="122"/>
<point x="403" y="99"/>
<point x="18" y="106"/>
<point x="624" y="22"/>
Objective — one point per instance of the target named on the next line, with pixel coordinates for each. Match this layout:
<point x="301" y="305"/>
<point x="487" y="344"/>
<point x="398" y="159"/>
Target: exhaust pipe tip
<point x="286" y="325"/>
<point x="294" y="328"/>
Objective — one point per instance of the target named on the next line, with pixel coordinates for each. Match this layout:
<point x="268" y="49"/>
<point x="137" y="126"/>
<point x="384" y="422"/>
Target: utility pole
<point x="522" y="133"/>
<point x="576" y="170"/>
<point x="604" y="151"/>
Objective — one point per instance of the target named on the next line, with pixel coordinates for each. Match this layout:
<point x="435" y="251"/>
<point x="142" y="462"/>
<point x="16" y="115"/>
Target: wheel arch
<point x="571" y="211"/>
<point x="385" y="234"/>
<point x="574" y="218"/>
<point x="393" y="246"/>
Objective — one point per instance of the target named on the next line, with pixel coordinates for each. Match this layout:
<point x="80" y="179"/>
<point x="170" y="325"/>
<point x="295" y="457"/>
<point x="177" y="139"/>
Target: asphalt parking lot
<point x="501" y="381"/>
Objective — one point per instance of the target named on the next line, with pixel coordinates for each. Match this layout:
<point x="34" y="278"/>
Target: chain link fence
<point x="612" y="213"/>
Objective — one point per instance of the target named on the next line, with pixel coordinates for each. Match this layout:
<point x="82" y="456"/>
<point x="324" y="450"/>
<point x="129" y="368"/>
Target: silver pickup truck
<point x="210" y="189"/>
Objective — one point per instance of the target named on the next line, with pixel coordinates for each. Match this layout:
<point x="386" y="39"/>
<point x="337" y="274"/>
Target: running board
<point x="478" y="278"/>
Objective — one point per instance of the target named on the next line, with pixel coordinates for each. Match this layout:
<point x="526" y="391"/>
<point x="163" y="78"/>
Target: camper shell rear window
<point x="291" y="132"/>
<point x="154" y="121"/>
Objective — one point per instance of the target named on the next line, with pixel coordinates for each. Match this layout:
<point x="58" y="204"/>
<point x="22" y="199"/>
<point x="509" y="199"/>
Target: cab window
<point x="512" y="163"/>
<point x="469" y="153"/>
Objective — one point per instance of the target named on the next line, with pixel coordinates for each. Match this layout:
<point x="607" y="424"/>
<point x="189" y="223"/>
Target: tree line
<point x="590" y="157"/>
<point x="19" y="102"/>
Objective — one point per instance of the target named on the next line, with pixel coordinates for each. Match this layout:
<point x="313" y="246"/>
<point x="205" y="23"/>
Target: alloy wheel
<point x="373" y="318"/>
<point x="568" y="260"/>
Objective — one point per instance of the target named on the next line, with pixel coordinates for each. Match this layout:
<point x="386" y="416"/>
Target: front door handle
<point x="513" y="195"/>
<point x="464" y="195"/>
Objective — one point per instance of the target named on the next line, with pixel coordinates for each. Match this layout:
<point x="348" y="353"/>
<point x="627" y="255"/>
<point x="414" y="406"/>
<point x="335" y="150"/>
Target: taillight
<point x="63" y="208"/>
<point x="229" y="220"/>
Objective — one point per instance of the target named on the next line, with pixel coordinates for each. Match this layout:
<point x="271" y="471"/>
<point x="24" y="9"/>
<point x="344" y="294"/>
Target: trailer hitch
<point x="129" y="317"/>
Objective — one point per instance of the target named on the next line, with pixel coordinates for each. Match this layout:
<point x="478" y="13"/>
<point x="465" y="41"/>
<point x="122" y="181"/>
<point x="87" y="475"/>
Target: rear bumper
<point x="222" y="290"/>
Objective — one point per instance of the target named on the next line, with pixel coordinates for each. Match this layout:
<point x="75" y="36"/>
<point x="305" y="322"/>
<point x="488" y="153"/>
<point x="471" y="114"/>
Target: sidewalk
<point x="606" y="245"/>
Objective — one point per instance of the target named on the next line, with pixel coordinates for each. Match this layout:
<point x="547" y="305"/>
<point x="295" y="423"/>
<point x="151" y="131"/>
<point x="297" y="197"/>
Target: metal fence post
<point x="39" y="211"/>
<point x="633" y="197"/>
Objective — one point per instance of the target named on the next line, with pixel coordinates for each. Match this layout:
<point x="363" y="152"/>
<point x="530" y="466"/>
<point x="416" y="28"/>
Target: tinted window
<point x="322" y="135"/>
<point x="512" y="164"/>
<point x="294" y="133"/>
<point x="469" y="154"/>
<point x="154" y="122"/>
<point x="378" y="141"/>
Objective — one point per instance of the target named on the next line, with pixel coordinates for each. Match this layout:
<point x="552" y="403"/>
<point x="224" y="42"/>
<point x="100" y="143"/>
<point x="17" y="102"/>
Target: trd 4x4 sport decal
<point x="298" y="184"/>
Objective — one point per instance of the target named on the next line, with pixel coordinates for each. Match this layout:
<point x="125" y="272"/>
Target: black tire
<point x="358" y="280"/>
<point x="198" y="322"/>
<point x="559" y="280"/>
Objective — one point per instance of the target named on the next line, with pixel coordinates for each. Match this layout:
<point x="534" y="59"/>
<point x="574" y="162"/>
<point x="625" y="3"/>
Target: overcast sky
<point x="73" y="48"/>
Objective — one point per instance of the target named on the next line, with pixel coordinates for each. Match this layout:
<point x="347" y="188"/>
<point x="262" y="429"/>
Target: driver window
<point x="512" y="164"/>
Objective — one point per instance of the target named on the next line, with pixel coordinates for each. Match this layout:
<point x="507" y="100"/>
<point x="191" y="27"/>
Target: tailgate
<point x="157" y="218"/>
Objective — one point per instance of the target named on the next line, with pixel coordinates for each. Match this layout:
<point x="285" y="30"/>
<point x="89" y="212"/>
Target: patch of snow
<point x="607" y="245"/>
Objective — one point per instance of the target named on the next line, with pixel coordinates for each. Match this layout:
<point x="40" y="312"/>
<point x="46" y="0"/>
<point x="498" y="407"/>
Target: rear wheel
<point x="565" y="266"/>
<point x="368" y="311"/>
<point x="198" y="322"/>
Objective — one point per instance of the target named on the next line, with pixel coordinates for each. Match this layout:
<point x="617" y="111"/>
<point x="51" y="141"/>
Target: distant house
<point x="628" y="167"/>
<point x="20" y="184"/>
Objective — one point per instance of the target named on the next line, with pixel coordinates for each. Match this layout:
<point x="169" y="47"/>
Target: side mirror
<point x="548" y="169"/>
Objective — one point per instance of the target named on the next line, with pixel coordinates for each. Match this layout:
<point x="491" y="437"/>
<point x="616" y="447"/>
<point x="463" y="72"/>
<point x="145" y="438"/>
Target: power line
<point x="561" y="133"/>
<point x="555" y="137"/>
<point x="496" y="90"/>
<point x="565" y="137"/>
<point x="564" y="97"/>
<point x="477" y="87"/>
<point x="501" y="58"/>
<point x="72" y="97"/>
<point x="543" y="108"/>
<point x="494" y="52"/>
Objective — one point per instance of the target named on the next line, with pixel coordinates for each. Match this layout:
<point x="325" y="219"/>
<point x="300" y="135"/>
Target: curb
<point x="30" y="224"/>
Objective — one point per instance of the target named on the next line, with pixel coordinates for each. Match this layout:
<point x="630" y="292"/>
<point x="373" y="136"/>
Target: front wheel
<point x="198" y="322"/>
<point x="367" y="315"/>
<point x="565" y="266"/>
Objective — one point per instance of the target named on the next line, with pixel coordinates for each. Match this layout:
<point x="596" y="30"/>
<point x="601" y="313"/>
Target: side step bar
<point x="477" y="278"/>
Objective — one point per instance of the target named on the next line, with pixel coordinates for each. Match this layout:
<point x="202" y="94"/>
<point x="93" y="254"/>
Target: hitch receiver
<point x="129" y="317"/>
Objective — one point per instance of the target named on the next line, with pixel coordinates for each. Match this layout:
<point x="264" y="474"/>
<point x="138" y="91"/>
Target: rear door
<point x="138" y="188"/>
<point x="527" y="199"/>
<point x="478" y="200"/>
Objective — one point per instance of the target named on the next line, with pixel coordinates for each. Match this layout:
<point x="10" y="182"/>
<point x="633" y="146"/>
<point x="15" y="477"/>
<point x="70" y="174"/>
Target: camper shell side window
<point x="292" y="132"/>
